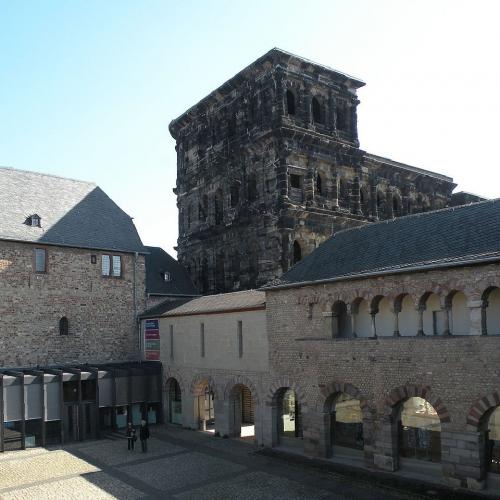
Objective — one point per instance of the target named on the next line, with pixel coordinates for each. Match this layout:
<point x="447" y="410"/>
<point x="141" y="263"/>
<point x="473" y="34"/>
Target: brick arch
<point x="334" y="388"/>
<point x="284" y="383"/>
<point x="241" y="380"/>
<point x="481" y="407"/>
<point x="170" y="373"/>
<point x="404" y="392"/>
<point x="195" y="389"/>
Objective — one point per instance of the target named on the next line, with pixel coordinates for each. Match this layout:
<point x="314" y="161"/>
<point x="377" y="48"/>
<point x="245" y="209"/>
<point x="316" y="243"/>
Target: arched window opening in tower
<point x="290" y="102"/>
<point x="341" y="118"/>
<point x="319" y="185"/>
<point x="297" y="252"/>
<point x="252" y="188"/>
<point x="219" y="207"/>
<point x="203" y="208"/>
<point x="316" y="111"/>
<point x="235" y="194"/>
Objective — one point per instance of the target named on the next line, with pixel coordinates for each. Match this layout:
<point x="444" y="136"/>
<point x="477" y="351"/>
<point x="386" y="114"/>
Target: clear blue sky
<point x="88" y="88"/>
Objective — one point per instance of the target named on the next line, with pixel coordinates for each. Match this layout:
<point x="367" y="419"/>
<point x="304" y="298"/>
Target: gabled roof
<point x="157" y="263"/>
<point x="209" y="304"/>
<point x="73" y="213"/>
<point x="454" y="236"/>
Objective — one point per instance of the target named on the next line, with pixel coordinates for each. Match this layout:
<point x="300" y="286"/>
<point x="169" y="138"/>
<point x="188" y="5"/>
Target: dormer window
<point x="167" y="276"/>
<point x="33" y="220"/>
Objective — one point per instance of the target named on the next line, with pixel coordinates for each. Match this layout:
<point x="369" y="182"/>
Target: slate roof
<point x="157" y="263"/>
<point x="73" y="213"/>
<point x="209" y="304"/>
<point x="443" y="238"/>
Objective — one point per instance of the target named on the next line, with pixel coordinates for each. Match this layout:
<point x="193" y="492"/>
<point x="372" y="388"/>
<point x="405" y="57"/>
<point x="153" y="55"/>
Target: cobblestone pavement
<point x="180" y="464"/>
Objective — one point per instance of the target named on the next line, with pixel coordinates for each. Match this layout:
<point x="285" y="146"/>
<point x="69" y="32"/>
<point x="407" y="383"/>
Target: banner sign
<point x="152" y="339"/>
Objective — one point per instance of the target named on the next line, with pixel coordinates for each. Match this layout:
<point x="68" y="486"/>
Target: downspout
<point x="136" y="319"/>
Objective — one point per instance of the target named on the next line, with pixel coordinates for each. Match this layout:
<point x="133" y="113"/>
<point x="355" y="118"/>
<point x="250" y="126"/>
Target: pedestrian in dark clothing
<point x="144" y="435"/>
<point x="131" y="437"/>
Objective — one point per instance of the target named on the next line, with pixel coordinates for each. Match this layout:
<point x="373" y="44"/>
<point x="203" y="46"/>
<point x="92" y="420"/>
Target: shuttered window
<point x="117" y="265"/>
<point x="106" y="265"/>
<point x="40" y="260"/>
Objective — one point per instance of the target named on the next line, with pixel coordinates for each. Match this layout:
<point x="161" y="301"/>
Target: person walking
<point x="144" y="435"/>
<point x="131" y="437"/>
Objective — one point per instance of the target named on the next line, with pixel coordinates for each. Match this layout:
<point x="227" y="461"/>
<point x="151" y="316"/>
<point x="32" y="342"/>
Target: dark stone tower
<point x="269" y="166"/>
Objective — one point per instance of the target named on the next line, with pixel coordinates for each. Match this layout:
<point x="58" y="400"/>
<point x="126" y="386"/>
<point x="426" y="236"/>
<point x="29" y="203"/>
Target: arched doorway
<point x="289" y="418"/>
<point x="241" y="412"/>
<point x="491" y="301"/>
<point x="492" y="448"/>
<point x="346" y="423"/>
<point x="460" y="314"/>
<point x="205" y="408"/>
<point x="341" y="323"/>
<point x="419" y="430"/>
<point x="174" y="395"/>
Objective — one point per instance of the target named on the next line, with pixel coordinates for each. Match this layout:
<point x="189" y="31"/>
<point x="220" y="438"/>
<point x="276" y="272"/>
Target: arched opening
<point x="381" y="204"/>
<point x="220" y="276"/>
<point x="491" y="424"/>
<point x="204" y="276"/>
<point x="384" y="317"/>
<point x="297" y="252"/>
<point x="252" y="188"/>
<point x="344" y="195"/>
<point x="408" y="316"/>
<point x="342" y="118"/>
<point x="241" y="412"/>
<point x="219" y="207"/>
<point x="289" y="419"/>
<point x="419" y="430"/>
<point x="362" y="322"/>
<point x="460" y="316"/>
<point x="346" y="424"/>
<point x="433" y="316"/>
<point x="320" y="188"/>
<point x="204" y="406"/>
<point x="174" y="410"/>
<point x="235" y="194"/>
<point x="341" y="324"/>
<point x="290" y="102"/>
<point x="396" y="205"/>
<point x="317" y="112"/>
<point x="63" y="326"/>
<point x="203" y="208"/>
<point x="491" y="301"/>
<point x="364" y="201"/>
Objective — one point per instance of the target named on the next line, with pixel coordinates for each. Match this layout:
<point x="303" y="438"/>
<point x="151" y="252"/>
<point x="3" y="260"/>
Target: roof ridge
<point x="420" y="214"/>
<point x="33" y="172"/>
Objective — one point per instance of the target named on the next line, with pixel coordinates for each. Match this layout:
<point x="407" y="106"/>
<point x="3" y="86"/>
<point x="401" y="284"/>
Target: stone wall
<point x="100" y="310"/>
<point x="458" y="375"/>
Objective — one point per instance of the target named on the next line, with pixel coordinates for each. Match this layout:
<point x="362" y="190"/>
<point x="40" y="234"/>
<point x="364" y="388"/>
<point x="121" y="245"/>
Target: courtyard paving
<point x="179" y="464"/>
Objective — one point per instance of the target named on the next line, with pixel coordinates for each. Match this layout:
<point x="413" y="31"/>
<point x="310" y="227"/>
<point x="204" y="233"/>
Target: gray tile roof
<point x="209" y="304"/>
<point x="443" y="238"/>
<point x="73" y="213"/>
<point x="157" y="263"/>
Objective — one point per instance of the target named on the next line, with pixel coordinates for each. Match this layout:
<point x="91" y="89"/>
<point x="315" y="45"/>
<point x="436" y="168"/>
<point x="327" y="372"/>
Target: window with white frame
<point x="40" y="260"/>
<point x="117" y="266"/>
<point x="106" y="265"/>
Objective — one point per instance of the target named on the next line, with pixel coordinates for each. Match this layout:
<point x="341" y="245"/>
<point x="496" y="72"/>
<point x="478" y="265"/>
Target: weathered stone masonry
<point x="457" y="374"/>
<point x="269" y="166"/>
<point x="100" y="310"/>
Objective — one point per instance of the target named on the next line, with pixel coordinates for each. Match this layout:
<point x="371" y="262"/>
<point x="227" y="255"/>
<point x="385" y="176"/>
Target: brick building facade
<point x="269" y="166"/>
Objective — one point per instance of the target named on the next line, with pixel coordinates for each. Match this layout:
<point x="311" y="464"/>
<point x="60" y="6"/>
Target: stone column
<point x="352" y="310"/>
<point x="385" y="454"/>
<point x="221" y="413"/>
<point x="396" y="312"/>
<point x="475" y="307"/>
<point x="420" y="310"/>
<point x="335" y="190"/>
<point x="373" y="199"/>
<point x="447" y="310"/>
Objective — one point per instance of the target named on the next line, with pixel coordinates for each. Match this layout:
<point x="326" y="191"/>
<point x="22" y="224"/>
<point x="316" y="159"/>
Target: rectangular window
<point x="240" y="339"/>
<point x="40" y="260"/>
<point x="106" y="265"/>
<point x="202" y="340"/>
<point x="117" y="266"/>
<point x="296" y="181"/>
<point x="171" y="341"/>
